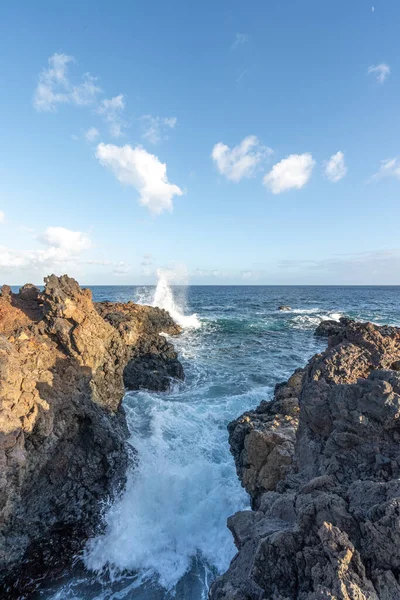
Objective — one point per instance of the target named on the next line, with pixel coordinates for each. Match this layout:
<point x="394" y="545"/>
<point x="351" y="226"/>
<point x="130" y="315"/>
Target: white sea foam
<point x="179" y="496"/>
<point x="310" y="319"/>
<point x="164" y="298"/>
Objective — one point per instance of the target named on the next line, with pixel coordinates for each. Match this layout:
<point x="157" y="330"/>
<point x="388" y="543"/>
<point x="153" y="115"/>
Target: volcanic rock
<point x="326" y="523"/>
<point x="63" y="430"/>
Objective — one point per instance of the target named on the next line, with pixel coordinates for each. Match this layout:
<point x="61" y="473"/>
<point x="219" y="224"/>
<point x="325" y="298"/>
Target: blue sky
<point x="240" y="142"/>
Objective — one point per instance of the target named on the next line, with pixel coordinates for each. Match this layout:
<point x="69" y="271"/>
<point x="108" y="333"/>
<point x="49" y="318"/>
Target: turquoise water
<point x="167" y="537"/>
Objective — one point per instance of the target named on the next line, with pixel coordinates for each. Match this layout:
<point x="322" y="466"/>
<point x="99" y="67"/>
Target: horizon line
<point x="89" y="285"/>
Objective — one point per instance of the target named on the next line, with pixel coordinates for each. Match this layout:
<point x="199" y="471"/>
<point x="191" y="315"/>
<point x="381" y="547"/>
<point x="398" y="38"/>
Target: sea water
<point x="166" y="537"/>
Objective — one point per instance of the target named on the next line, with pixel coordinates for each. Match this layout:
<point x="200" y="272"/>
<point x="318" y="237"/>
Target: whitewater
<point x="166" y="536"/>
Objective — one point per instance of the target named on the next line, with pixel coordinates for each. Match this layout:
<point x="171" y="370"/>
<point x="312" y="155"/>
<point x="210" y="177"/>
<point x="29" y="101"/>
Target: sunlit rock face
<point x="62" y="427"/>
<point x="321" y="463"/>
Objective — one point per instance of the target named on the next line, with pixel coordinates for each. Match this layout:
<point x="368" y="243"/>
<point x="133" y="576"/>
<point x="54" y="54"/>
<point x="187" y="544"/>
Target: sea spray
<point x="164" y="297"/>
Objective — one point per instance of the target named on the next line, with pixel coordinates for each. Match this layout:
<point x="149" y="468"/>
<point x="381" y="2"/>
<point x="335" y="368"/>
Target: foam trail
<point x="164" y="298"/>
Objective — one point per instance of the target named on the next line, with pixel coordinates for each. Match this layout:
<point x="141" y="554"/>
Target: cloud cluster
<point x="55" y="87"/>
<point x="2" y="216"/>
<point x="61" y="249"/>
<point x="241" y="160"/>
<point x="292" y="172"/>
<point x="155" y="128"/>
<point x="144" y="171"/>
<point x="60" y="245"/>
<point x="335" y="168"/>
<point x="381" y="72"/>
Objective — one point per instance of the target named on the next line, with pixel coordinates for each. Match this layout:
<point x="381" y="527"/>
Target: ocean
<point x="166" y="537"/>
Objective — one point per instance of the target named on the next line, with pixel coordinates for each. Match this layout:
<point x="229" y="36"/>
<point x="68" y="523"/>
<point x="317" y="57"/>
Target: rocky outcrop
<point x="63" y="430"/>
<point x="330" y="327"/>
<point x="326" y="523"/>
<point x="153" y="361"/>
<point x="284" y="307"/>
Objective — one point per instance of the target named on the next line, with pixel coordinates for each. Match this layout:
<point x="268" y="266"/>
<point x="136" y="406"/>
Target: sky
<point x="230" y="142"/>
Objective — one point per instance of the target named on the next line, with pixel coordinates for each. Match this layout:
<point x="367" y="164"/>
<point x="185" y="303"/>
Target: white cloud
<point x="111" y="110"/>
<point x="155" y="127"/>
<point x="54" y="86"/>
<point x="240" y="39"/>
<point x="381" y="72"/>
<point x="10" y="259"/>
<point x="241" y="160"/>
<point x="62" y="249"/>
<point x="71" y="242"/>
<point x="335" y="168"/>
<point x="143" y="171"/>
<point x="388" y="168"/>
<point x="61" y="246"/>
<point x="2" y="216"/>
<point x="92" y="134"/>
<point x="292" y="172"/>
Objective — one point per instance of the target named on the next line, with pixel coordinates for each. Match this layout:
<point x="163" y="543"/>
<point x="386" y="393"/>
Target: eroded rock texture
<point x="321" y="463"/>
<point x="63" y="430"/>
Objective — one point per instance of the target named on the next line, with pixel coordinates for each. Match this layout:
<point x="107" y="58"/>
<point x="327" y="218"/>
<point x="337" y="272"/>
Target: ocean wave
<point x="305" y="321"/>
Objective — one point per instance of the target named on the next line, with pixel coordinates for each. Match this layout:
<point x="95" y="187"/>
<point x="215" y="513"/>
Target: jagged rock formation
<point x="326" y="524"/>
<point x="152" y="360"/>
<point x="62" y="427"/>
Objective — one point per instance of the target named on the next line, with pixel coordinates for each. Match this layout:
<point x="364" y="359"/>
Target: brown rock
<point x="62" y="426"/>
<point x="328" y="527"/>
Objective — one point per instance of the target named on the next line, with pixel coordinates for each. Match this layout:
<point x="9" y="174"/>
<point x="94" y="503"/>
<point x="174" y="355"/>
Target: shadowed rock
<point x="323" y="473"/>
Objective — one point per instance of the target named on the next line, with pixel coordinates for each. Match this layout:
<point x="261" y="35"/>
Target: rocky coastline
<point x="321" y="463"/>
<point x="65" y="363"/>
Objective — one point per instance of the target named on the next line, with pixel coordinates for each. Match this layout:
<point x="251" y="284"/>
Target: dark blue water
<point x="167" y="537"/>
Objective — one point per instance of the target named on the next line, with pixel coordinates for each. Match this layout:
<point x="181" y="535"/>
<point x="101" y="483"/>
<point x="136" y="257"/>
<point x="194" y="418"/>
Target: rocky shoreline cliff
<point x="65" y="363"/>
<point x="321" y="463"/>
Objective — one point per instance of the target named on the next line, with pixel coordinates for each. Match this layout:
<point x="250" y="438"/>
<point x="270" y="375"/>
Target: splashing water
<point x="166" y="538"/>
<point x="164" y="298"/>
<point x="171" y="520"/>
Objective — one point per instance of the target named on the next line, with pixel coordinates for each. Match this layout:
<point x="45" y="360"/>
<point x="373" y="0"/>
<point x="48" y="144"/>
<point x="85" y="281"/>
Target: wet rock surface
<point x="321" y="463"/>
<point x="63" y="431"/>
